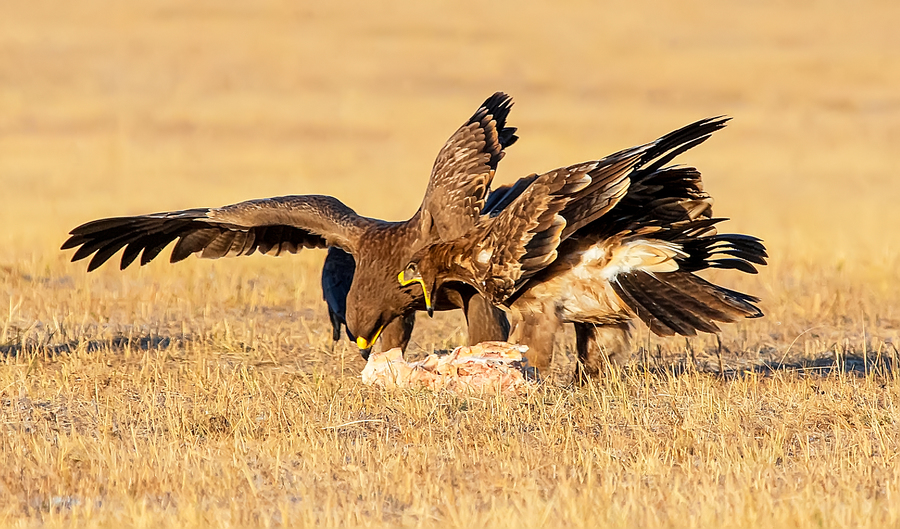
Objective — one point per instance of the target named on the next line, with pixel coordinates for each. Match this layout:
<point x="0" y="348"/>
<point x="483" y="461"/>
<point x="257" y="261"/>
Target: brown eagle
<point x="452" y="205"/>
<point x="532" y="203"/>
<point x="611" y="262"/>
<point x="485" y="321"/>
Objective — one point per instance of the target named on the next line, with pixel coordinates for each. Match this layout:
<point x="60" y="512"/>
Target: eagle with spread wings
<point x="604" y="258"/>
<point x="453" y="202"/>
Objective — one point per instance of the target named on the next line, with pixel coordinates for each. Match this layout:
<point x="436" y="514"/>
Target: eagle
<point x="453" y="202"/>
<point x="604" y="261"/>
<point x="486" y="322"/>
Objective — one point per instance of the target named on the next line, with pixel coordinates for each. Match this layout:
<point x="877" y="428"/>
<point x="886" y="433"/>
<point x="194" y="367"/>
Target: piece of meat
<point x="486" y="367"/>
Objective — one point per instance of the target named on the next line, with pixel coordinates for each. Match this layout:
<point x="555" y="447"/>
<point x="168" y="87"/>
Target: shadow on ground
<point x="117" y="343"/>
<point x="768" y="363"/>
<point x="727" y="364"/>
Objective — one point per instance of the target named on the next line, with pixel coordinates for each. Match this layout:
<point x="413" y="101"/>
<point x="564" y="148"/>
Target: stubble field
<point x="206" y="393"/>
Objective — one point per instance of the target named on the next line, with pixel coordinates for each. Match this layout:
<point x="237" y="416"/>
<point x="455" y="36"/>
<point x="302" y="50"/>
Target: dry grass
<point x="205" y="393"/>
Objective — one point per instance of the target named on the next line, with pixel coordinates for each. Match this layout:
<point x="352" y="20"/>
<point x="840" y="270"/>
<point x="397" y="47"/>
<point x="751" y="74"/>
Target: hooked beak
<point x="404" y="282"/>
<point x="365" y="345"/>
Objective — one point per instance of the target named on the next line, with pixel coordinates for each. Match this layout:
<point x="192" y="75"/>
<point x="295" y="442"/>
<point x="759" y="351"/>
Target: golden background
<point x="205" y="393"/>
<point x="113" y="108"/>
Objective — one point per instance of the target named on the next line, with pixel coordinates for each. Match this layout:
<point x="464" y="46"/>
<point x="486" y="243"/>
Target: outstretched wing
<point x="656" y="193"/>
<point x="270" y="226"/>
<point x="464" y="169"/>
<point x="523" y="239"/>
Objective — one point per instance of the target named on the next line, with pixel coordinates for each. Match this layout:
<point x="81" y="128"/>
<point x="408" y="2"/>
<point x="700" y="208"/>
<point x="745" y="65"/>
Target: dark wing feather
<point x="500" y="197"/>
<point x="673" y="193"/>
<point x="661" y="194"/>
<point x="679" y="302"/>
<point x="604" y="192"/>
<point x="188" y="244"/>
<point x="666" y="148"/>
<point x="682" y="303"/>
<point x="649" y="310"/>
<point x="337" y="276"/>
<point x="464" y="169"/>
<point x="705" y="248"/>
<point x="273" y="225"/>
<point x="523" y="238"/>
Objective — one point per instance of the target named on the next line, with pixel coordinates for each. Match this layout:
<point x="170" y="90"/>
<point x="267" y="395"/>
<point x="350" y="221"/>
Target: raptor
<point x="454" y="199"/>
<point x="636" y="257"/>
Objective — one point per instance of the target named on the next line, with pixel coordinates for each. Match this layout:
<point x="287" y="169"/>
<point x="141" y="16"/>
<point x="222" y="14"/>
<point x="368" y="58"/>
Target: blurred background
<point x="193" y="395"/>
<point x="116" y="108"/>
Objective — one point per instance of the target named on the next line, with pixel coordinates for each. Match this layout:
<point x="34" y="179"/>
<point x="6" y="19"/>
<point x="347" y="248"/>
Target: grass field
<point x="205" y="393"/>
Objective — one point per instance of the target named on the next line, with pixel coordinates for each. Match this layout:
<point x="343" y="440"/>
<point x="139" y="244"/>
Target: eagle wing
<point x="656" y="193"/>
<point x="464" y="169"/>
<point x="271" y="226"/>
<point x="651" y="270"/>
<point x="523" y="239"/>
<point x="337" y="276"/>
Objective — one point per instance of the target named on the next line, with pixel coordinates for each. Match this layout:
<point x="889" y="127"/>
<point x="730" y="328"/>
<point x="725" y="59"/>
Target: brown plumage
<point x="452" y="204"/>
<point x="619" y="254"/>
<point x="485" y="322"/>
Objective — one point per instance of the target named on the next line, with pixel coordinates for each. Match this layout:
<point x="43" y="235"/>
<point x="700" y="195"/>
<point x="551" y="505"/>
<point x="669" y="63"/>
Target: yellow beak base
<point x="364" y="344"/>
<point x="421" y="281"/>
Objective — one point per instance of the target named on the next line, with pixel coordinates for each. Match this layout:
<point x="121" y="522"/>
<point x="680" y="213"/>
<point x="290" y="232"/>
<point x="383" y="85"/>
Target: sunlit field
<point x="207" y="393"/>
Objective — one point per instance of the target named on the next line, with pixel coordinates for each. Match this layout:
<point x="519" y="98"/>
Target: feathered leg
<point x="538" y="331"/>
<point x="486" y="322"/>
<point x="600" y="346"/>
